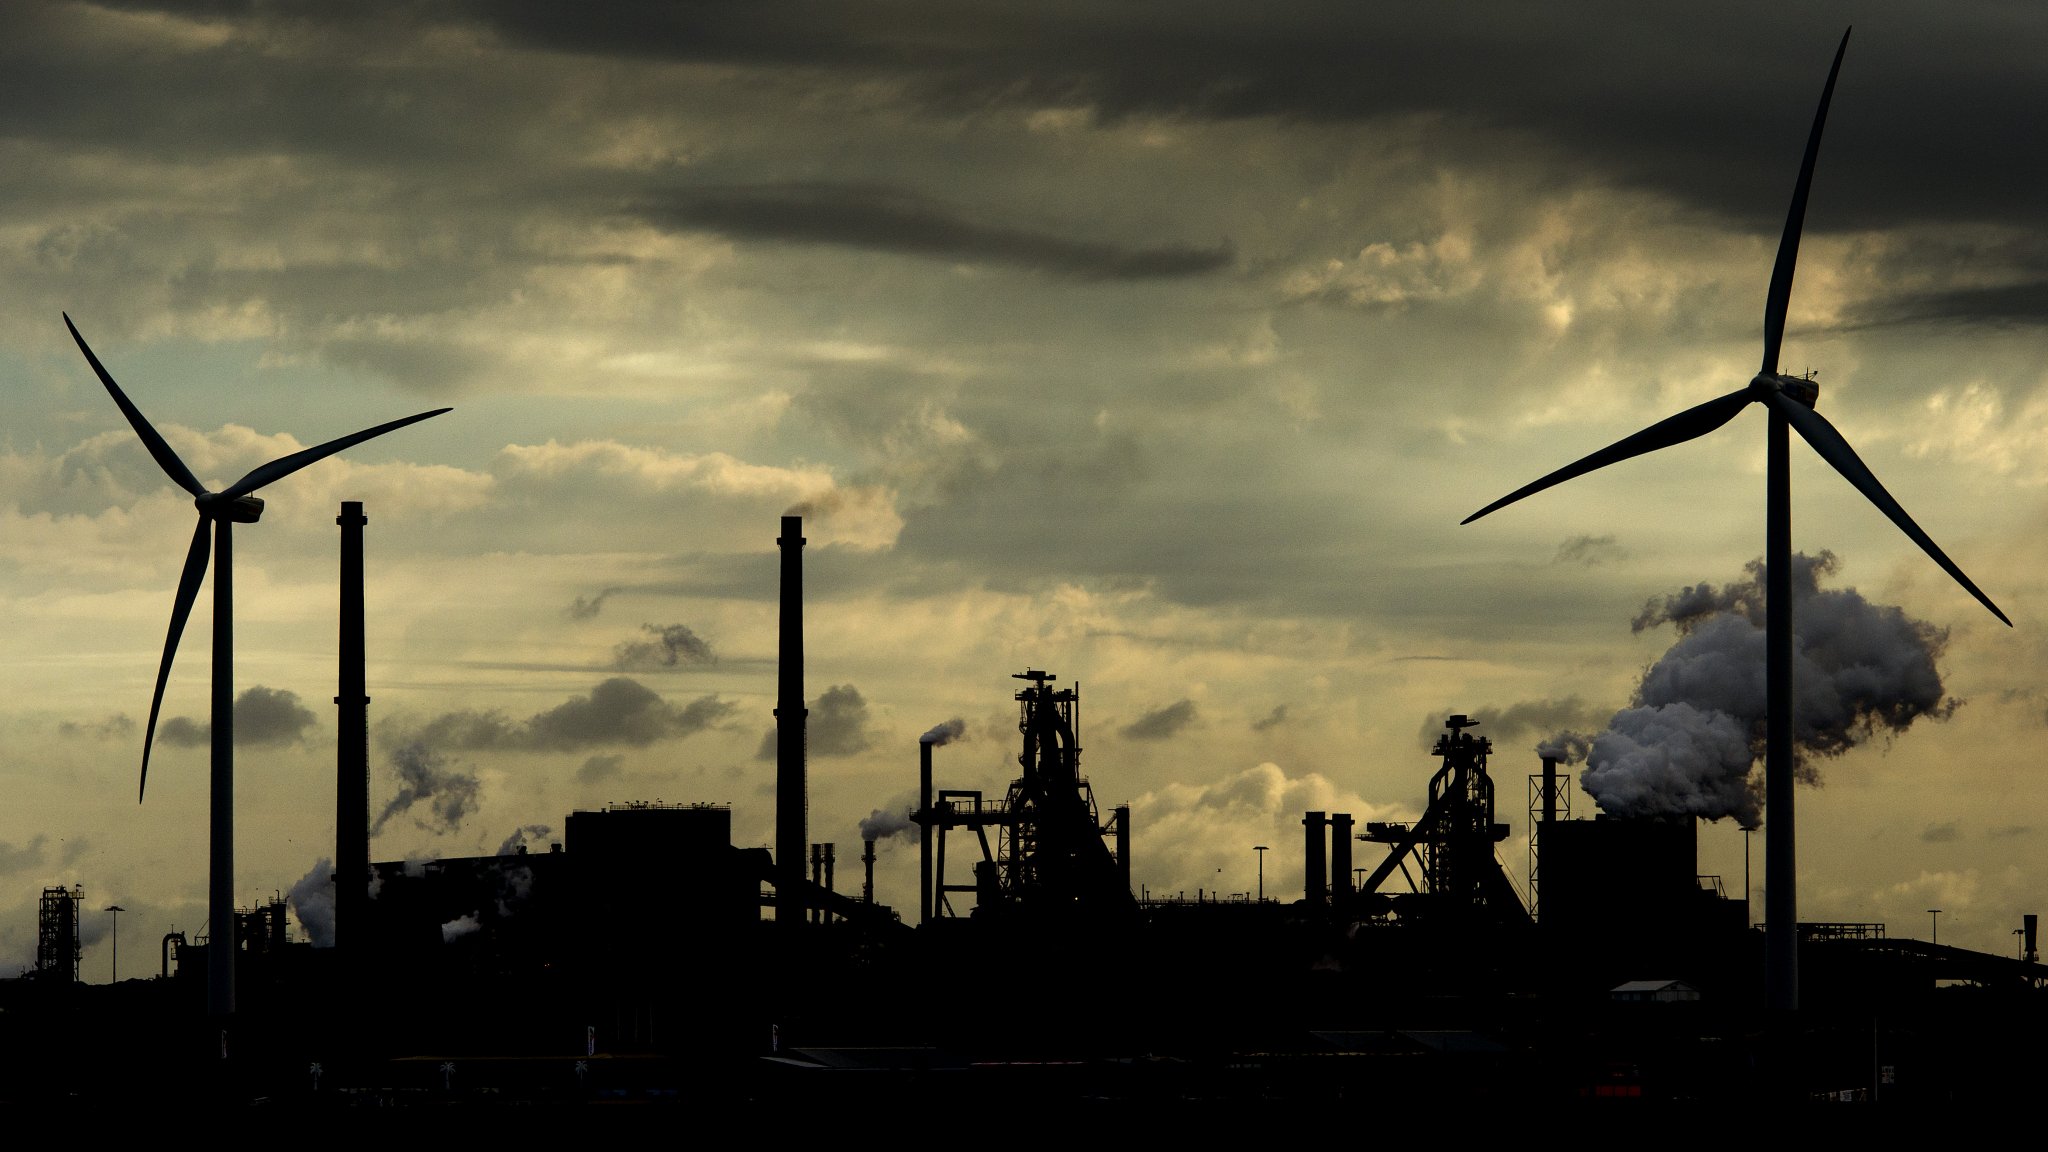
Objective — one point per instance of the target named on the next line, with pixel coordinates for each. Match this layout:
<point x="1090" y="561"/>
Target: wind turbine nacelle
<point x="240" y="510"/>
<point x="1799" y="388"/>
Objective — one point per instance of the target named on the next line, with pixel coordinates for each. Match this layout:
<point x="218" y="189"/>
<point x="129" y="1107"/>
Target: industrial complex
<point x="1410" y="967"/>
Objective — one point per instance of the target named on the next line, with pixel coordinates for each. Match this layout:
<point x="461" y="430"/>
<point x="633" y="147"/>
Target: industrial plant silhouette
<point x="644" y="957"/>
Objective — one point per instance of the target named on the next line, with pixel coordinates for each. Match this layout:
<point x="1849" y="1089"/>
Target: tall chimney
<point x="2030" y="923"/>
<point x="1123" y="845"/>
<point x="867" y="860"/>
<point x="791" y="816"/>
<point x="1550" y="789"/>
<point x="352" y="743"/>
<point x="1340" y="854"/>
<point x="924" y="841"/>
<point x="1314" y="861"/>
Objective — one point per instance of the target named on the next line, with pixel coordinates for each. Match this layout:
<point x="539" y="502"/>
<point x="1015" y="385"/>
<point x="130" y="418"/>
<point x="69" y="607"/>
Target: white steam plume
<point x="1695" y="729"/>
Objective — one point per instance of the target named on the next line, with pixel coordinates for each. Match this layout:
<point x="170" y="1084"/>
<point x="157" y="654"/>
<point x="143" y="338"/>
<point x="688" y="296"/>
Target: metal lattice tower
<point x="57" y="947"/>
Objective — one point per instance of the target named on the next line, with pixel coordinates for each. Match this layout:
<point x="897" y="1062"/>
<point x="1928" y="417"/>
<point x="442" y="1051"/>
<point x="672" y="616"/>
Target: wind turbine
<point x="1790" y="401"/>
<point x="221" y="510"/>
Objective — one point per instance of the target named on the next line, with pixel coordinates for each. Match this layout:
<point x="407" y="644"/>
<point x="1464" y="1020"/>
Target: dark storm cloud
<point x="1271" y="720"/>
<point x="837" y="725"/>
<point x="263" y="716"/>
<point x="2003" y="306"/>
<point x="1710" y="104"/>
<point x="671" y="644"/>
<point x="1161" y="723"/>
<point x="617" y="711"/>
<point x="893" y="220"/>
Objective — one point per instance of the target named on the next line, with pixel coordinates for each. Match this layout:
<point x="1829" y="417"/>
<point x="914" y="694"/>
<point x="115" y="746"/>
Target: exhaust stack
<point x="352" y="743"/>
<point x="1315" y="868"/>
<point x="791" y="803"/>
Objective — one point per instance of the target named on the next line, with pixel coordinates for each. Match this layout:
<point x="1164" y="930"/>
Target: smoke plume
<point x="944" y="734"/>
<point x="893" y="819"/>
<point x="520" y="838"/>
<point x="586" y="607"/>
<point x="312" y="900"/>
<point x="1696" y="727"/>
<point x="671" y="644"/>
<point x="426" y="779"/>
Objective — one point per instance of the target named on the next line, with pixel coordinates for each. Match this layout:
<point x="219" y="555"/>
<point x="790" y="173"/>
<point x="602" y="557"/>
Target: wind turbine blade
<point x="160" y="451"/>
<point x="188" y="591"/>
<point x="1833" y="448"/>
<point x="1780" y="296"/>
<point x="1690" y="424"/>
<point x="284" y="466"/>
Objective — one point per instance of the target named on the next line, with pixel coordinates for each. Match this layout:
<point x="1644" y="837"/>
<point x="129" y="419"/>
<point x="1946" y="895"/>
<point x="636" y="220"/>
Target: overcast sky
<point x="1162" y="347"/>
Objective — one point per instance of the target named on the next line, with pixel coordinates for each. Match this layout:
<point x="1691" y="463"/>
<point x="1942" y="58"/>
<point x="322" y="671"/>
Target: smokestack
<point x="867" y="860"/>
<point x="817" y="879"/>
<point x="829" y="885"/>
<point x="1340" y="854"/>
<point x="791" y="816"/>
<point x="1550" y="789"/>
<point x="1314" y="868"/>
<point x="924" y="841"/>
<point x="1123" y="845"/>
<point x="2031" y="922"/>
<point x="352" y="744"/>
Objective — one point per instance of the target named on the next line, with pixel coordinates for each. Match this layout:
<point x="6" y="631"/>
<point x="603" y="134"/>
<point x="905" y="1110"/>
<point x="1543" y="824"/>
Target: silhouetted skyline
<point x="1164" y="354"/>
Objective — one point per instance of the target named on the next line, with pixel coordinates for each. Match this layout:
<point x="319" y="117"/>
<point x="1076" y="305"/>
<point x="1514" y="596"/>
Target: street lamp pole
<point x="1261" y="850"/>
<point x="116" y="909"/>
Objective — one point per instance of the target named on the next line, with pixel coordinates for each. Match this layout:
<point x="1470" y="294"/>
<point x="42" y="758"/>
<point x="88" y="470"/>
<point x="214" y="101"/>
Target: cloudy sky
<point x="1160" y="347"/>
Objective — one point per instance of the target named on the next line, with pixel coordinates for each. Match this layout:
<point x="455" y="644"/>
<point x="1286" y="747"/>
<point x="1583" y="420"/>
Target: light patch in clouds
<point x="1161" y="723"/>
<point x="1190" y="836"/>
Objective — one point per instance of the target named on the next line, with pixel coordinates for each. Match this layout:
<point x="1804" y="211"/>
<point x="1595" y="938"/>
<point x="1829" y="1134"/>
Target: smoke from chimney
<point x="312" y="900"/>
<point x="1695" y="729"/>
<point x="883" y="823"/>
<point x="944" y="734"/>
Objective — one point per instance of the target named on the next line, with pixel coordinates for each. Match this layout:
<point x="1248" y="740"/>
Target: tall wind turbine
<point x="221" y="511"/>
<point x="1790" y="401"/>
